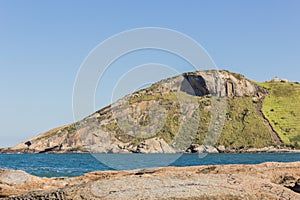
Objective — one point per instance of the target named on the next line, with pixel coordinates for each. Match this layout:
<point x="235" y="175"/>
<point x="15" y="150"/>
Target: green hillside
<point x="244" y="127"/>
<point x="282" y="108"/>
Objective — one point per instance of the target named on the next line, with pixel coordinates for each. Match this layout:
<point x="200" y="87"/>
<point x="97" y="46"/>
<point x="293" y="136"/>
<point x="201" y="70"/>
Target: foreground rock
<point x="263" y="181"/>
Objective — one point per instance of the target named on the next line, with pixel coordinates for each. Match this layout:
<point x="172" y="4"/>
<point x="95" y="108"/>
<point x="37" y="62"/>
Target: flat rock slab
<point x="13" y="177"/>
<point x="263" y="181"/>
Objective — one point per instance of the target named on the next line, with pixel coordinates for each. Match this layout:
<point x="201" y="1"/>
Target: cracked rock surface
<point x="262" y="181"/>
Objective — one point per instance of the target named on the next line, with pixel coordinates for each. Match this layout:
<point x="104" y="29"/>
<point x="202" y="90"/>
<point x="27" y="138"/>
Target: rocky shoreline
<point x="194" y="148"/>
<point x="262" y="181"/>
<point x="145" y="148"/>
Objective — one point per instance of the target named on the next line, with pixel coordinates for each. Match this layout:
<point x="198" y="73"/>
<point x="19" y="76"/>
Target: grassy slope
<point x="282" y="109"/>
<point x="243" y="126"/>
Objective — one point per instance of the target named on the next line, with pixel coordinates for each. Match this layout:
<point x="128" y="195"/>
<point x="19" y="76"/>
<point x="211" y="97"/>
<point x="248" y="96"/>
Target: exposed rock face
<point x="215" y="83"/>
<point x="133" y="124"/>
<point x="154" y="145"/>
<point x="195" y="148"/>
<point x="263" y="181"/>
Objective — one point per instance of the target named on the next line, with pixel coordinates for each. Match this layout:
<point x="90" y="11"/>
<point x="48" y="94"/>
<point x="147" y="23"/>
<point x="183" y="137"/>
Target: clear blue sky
<point x="43" y="43"/>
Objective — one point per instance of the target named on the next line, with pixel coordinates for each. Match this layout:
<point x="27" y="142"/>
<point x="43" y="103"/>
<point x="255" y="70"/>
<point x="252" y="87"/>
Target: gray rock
<point x="195" y="148"/>
<point x="221" y="148"/>
<point x="14" y="177"/>
<point x="154" y="145"/>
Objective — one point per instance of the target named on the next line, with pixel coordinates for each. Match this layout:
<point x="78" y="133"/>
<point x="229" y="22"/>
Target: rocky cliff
<point x="216" y="109"/>
<point x="263" y="181"/>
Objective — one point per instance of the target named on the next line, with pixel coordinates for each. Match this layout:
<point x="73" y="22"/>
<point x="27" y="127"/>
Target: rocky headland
<point x="262" y="181"/>
<point x="198" y="112"/>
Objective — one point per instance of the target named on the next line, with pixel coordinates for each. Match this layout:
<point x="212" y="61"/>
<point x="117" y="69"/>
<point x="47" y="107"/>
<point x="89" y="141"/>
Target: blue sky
<point x="43" y="43"/>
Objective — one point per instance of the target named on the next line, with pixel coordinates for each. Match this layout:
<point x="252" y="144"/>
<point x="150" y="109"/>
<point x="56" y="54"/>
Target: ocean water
<point x="70" y="165"/>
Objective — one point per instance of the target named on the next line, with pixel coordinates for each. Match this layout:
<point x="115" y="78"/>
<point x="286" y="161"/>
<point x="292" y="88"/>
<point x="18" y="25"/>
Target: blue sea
<point x="70" y="165"/>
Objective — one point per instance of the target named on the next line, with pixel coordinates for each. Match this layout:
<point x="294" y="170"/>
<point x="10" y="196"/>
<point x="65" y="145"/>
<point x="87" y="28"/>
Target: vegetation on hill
<point x="244" y="128"/>
<point x="282" y="109"/>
